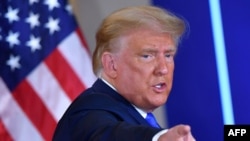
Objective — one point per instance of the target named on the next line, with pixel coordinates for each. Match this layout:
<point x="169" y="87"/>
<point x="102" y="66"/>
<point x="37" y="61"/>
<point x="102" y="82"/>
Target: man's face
<point x="145" y="66"/>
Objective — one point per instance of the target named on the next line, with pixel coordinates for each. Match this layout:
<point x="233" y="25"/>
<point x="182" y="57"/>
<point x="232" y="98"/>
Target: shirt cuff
<point x="156" y="136"/>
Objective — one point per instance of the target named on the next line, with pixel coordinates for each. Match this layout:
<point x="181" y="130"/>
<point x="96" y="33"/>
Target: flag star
<point x="69" y="8"/>
<point x="12" y="38"/>
<point x="52" y="4"/>
<point x="11" y="15"/>
<point x="52" y="25"/>
<point x="34" y="43"/>
<point x="33" y="20"/>
<point x="32" y="1"/>
<point x="13" y="62"/>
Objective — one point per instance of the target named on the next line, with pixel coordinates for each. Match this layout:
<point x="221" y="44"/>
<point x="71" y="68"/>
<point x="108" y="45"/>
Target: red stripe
<point x="82" y="39"/>
<point x="35" y="109"/>
<point x="4" y="135"/>
<point x="64" y="74"/>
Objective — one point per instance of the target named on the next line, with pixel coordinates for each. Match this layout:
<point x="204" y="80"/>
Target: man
<point x="134" y="62"/>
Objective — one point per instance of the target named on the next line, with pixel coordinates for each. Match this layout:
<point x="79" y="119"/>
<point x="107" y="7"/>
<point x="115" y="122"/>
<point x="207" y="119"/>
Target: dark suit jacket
<point x="101" y="114"/>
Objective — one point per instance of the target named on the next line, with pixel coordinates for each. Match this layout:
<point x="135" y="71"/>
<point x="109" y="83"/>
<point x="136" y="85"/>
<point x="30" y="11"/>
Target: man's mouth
<point x="160" y="87"/>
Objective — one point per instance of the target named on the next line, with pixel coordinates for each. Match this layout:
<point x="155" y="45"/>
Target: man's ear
<point x="109" y="64"/>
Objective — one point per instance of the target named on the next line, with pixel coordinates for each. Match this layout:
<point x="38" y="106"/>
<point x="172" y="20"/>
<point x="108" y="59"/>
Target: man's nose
<point x="161" y="66"/>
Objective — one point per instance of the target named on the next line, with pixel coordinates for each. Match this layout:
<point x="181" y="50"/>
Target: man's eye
<point x="169" y="57"/>
<point x="145" y="56"/>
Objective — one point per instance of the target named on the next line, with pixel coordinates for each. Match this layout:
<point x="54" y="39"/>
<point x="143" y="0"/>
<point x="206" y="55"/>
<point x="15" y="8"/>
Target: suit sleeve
<point x="107" y="128"/>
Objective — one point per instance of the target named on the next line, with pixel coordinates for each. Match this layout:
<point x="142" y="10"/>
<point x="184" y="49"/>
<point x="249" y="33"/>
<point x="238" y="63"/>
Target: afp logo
<point x="236" y="132"/>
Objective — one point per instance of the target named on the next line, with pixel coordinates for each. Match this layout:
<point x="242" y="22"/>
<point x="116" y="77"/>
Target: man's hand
<point x="178" y="133"/>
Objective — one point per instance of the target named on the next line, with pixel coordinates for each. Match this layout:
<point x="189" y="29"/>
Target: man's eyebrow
<point x="171" y="49"/>
<point x="152" y="50"/>
<point x="149" y="50"/>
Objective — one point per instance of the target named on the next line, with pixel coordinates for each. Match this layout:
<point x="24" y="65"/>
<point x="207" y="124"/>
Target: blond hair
<point x="131" y="18"/>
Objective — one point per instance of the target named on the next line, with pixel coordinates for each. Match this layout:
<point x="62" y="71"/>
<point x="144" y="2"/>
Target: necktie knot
<point x="151" y="120"/>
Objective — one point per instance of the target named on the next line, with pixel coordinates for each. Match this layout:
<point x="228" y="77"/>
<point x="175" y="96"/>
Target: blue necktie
<point x="151" y="120"/>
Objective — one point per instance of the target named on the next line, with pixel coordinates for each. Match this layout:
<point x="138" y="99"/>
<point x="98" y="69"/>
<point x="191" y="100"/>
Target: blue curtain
<point x="197" y="97"/>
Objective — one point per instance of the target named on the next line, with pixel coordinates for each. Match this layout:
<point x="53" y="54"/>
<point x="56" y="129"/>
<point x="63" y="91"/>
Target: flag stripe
<point x="72" y="46"/>
<point x="82" y="39"/>
<point x="56" y="100"/>
<point x="35" y="109"/>
<point x="4" y="135"/>
<point x="21" y="129"/>
<point x="64" y="74"/>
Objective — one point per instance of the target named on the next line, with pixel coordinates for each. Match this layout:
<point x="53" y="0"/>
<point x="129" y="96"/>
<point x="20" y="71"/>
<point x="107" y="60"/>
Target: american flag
<point x="44" y="65"/>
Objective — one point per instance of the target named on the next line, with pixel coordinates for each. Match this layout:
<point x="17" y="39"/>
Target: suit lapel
<point x="101" y="87"/>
